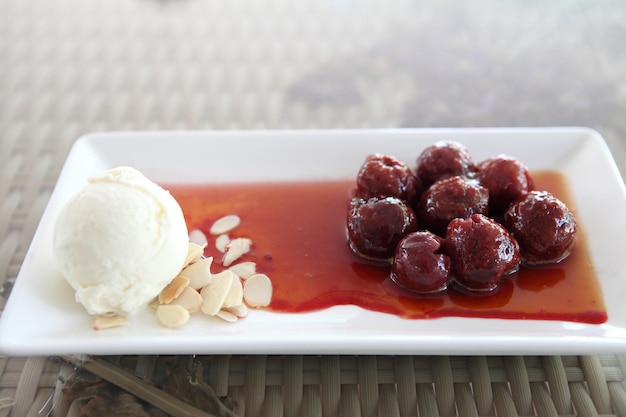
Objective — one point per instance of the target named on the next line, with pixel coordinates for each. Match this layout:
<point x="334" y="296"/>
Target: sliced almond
<point x="240" y="311"/>
<point x="198" y="273"/>
<point x="172" y="315"/>
<point x="235" y="249"/>
<point x="227" y="316"/>
<point x="214" y="294"/>
<point x="243" y="269"/>
<point x="108" y="321"/>
<point x="189" y="299"/>
<point x="225" y="224"/>
<point x="235" y="294"/>
<point x="173" y="289"/>
<point x="257" y="290"/>
<point x="194" y="252"/>
<point x="221" y="242"/>
<point x="197" y="236"/>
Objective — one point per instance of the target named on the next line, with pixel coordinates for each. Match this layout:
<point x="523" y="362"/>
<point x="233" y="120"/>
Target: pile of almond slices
<point x="226" y="294"/>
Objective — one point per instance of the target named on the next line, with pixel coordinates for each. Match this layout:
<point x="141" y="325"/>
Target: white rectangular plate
<point x="42" y="318"/>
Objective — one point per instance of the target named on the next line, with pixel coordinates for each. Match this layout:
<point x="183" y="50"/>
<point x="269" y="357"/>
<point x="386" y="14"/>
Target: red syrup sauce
<point x="299" y="241"/>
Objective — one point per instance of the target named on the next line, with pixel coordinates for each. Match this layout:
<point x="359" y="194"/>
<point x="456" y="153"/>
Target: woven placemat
<point x="69" y="68"/>
<point x="315" y="385"/>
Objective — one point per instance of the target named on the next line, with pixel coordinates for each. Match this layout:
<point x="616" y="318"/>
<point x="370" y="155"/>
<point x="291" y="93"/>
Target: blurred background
<point x="72" y="67"/>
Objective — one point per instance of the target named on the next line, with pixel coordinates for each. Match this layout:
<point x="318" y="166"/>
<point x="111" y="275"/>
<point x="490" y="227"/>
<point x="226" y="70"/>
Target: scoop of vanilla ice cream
<point x="120" y="241"/>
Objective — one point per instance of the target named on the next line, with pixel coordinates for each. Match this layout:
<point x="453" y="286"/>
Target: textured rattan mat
<point x="314" y="386"/>
<point x="72" y="67"/>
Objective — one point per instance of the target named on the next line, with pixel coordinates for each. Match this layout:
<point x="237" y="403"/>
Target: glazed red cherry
<point x="419" y="264"/>
<point x="451" y="198"/>
<point x="481" y="251"/>
<point x="507" y="179"/>
<point x="375" y="226"/>
<point x="385" y="176"/>
<point x="443" y="159"/>
<point x="544" y="227"/>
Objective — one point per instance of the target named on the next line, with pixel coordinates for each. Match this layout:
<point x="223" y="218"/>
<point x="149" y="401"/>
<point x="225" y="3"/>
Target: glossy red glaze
<point x="299" y="236"/>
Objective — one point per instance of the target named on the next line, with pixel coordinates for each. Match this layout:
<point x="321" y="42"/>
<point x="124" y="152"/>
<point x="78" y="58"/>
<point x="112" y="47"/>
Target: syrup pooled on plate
<point x="300" y="240"/>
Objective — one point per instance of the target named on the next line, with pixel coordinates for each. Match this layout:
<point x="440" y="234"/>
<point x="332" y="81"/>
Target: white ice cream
<point x="120" y="241"/>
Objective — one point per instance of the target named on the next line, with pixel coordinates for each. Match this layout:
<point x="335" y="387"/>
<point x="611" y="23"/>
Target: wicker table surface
<point x="70" y="67"/>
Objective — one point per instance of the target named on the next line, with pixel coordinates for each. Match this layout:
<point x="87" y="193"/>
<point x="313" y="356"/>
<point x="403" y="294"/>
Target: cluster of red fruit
<point x="451" y="219"/>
